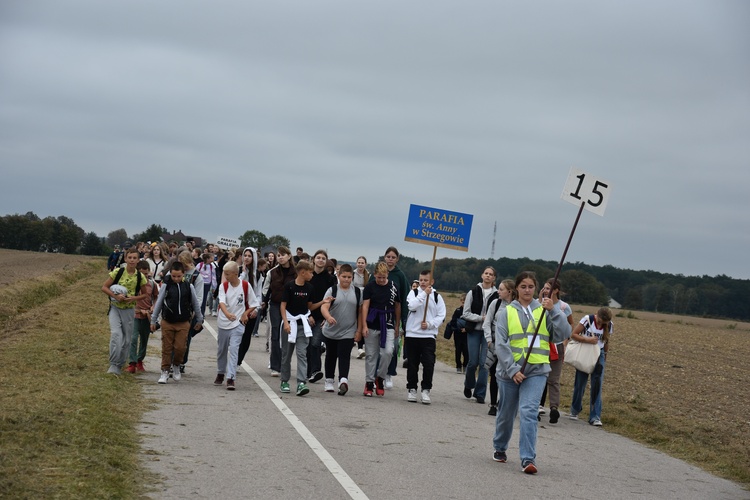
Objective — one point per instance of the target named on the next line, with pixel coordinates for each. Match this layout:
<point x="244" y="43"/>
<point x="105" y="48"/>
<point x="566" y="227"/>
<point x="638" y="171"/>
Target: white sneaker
<point x="274" y="373"/>
<point x="214" y="314"/>
<point x="343" y="386"/>
<point x="542" y="411"/>
<point x="573" y="416"/>
<point x="388" y="382"/>
<point x="426" y="397"/>
<point x="329" y="385"/>
<point x="176" y="375"/>
<point x="412" y="396"/>
<point x="596" y="422"/>
<point x="164" y="377"/>
<point x="360" y="353"/>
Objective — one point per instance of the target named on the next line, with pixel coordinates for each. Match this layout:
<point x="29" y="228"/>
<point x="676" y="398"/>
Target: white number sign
<point x="587" y="189"/>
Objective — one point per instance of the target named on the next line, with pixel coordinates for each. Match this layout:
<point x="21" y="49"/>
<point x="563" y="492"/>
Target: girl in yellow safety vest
<point x="521" y="386"/>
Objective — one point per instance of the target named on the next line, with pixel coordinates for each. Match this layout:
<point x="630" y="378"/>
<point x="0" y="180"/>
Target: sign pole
<point x="432" y="277"/>
<point x="591" y="193"/>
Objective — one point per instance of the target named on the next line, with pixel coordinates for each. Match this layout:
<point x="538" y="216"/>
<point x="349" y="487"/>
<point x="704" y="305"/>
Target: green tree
<point x="277" y="240"/>
<point x="117" y="237"/>
<point x="256" y="239"/>
<point x="582" y="288"/>
<point x="93" y="245"/>
<point x="152" y="233"/>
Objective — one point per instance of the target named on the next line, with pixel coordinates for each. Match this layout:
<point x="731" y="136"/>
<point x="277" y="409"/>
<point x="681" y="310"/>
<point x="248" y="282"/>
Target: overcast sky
<point x="324" y="120"/>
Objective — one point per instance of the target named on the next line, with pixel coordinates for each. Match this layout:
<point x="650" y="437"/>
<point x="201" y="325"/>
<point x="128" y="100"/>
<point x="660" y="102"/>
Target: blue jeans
<point x="597" y="379"/>
<point x="477" y="354"/>
<point x="514" y="397"/>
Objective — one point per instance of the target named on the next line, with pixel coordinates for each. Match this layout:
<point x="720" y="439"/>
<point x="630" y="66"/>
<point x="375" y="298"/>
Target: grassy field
<point x="67" y="429"/>
<point x="677" y="384"/>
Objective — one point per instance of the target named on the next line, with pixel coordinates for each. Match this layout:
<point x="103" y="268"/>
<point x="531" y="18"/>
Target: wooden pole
<point x="432" y="277"/>
<point x="557" y="275"/>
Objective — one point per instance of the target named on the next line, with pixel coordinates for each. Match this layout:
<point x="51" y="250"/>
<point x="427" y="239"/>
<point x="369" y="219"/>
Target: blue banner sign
<point x="437" y="227"/>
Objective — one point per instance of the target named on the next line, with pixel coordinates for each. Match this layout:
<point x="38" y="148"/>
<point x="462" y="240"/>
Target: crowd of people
<point x="510" y="338"/>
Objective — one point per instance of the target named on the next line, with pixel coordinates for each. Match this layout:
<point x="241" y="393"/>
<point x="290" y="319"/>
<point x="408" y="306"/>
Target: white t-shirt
<point x="590" y="330"/>
<point x="234" y="299"/>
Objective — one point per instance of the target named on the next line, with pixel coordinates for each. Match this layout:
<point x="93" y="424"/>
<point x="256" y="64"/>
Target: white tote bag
<point x="582" y="357"/>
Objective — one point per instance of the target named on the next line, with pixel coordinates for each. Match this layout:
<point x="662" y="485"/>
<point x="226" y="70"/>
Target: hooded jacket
<point x="557" y="327"/>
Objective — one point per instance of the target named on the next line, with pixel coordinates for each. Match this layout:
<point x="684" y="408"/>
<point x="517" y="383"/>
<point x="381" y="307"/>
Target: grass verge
<point x="67" y="429"/>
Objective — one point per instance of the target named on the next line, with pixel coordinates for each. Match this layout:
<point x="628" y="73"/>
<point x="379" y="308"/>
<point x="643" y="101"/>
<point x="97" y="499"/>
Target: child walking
<point x="381" y="308"/>
<point x="177" y="303"/>
<point x="340" y="309"/>
<point x="124" y="289"/>
<point x="422" y="330"/>
<point x="296" y="300"/>
<point x="141" y="330"/>
<point x="237" y="303"/>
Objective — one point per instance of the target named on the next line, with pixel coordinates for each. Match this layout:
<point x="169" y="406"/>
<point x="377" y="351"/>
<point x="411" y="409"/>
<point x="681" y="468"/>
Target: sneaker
<point x="493" y="411"/>
<point x="500" y="456"/>
<point x="388" y="382"/>
<point x="596" y="422"/>
<point x="230" y="384"/>
<point x="329" y="385"/>
<point x="176" y="373"/>
<point x="130" y="368"/>
<point x="170" y="370"/>
<point x="542" y="411"/>
<point x="528" y="467"/>
<point x="458" y="370"/>
<point x="379" y="390"/>
<point x="412" y="396"/>
<point x="285" y="387"/>
<point x="302" y="389"/>
<point x="219" y="379"/>
<point x="315" y="377"/>
<point x="467" y="392"/>
<point x="426" y="397"/>
<point x="343" y="386"/>
<point x="368" y="390"/>
<point x="573" y="416"/>
<point x="164" y="377"/>
<point x="480" y="400"/>
<point x="405" y="364"/>
<point x="139" y="367"/>
<point x="214" y="314"/>
<point x="182" y="368"/>
<point x="554" y="415"/>
<point x="360" y="353"/>
<point x="274" y="373"/>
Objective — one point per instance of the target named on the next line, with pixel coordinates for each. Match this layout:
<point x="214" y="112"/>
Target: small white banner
<point x="227" y="243"/>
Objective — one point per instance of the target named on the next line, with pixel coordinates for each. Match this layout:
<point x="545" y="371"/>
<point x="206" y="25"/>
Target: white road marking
<point x="331" y="464"/>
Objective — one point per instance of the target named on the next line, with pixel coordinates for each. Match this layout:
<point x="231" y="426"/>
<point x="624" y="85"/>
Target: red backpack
<point x="245" y="286"/>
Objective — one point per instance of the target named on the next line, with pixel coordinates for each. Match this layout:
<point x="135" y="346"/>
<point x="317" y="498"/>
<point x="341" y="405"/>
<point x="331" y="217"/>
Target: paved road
<point x="207" y="442"/>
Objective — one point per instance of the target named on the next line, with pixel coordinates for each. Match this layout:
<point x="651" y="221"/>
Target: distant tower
<point x="494" y="234"/>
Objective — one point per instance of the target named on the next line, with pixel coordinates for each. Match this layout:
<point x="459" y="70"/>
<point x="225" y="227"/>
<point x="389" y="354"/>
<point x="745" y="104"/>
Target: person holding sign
<point x="475" y="307"/>
<point x="421" y="330"/>
<point x="521" y="386"/>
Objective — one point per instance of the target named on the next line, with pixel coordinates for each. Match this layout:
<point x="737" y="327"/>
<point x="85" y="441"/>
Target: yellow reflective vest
<point x="519" y="339"/>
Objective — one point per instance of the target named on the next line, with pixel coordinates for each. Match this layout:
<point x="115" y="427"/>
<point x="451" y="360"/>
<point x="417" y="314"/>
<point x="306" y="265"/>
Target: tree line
<point x="706" y="296"/>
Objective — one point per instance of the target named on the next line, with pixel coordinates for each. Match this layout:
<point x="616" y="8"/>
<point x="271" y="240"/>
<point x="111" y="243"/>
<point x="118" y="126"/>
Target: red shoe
<point x="379" y="389"/>
<point x="139" y="367"/>
<point x="368" y="390"/>
<point x="130" y="368"/>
